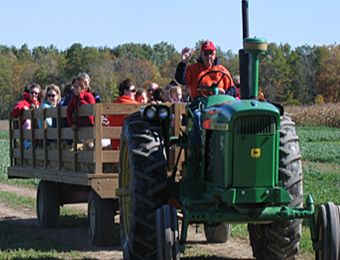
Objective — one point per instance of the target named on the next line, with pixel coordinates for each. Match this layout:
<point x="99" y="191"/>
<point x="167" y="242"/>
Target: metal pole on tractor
<point x="244" y="57"/>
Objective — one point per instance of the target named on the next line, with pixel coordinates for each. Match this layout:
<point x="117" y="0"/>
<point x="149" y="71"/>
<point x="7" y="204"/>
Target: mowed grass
<point x="320" y="149"/>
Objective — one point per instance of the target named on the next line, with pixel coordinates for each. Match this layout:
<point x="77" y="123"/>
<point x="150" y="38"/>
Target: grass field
<point x="320" y="148"/>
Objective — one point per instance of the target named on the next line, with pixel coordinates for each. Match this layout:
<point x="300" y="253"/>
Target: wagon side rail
<point x="59" y="154"/>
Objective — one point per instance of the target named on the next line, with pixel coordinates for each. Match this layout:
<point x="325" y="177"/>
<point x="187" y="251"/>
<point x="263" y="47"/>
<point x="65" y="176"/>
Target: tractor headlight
<point x="163" y="112"/>
<point x="150" y="113"/>
<point x="155" y="112"/>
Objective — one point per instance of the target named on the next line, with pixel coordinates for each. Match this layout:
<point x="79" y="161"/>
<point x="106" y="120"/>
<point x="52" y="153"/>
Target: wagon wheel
<point x="328" y="232"/>
<point x="48" y="204"/>
<point x="142" y="186"/>
<point x="100" y="216"/>
<point x="214" y="87"/>
<point x="167" y="233"/>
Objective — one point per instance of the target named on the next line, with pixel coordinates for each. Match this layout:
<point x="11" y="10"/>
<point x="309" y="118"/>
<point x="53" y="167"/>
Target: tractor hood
<point x="220" y="116"/>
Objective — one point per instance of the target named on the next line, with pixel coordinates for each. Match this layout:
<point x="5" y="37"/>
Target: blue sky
<point x="179" y="22"/>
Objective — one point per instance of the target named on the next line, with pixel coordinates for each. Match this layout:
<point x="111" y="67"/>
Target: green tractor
<point x="246" y="168"/>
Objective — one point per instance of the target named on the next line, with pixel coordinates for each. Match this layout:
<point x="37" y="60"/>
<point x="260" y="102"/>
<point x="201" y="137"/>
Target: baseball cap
<point x="208" y="46"/>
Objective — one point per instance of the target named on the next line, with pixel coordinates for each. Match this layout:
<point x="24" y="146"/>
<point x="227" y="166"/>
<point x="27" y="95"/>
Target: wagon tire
<point x="100" y="216"/>
<point x="48" y="204"/>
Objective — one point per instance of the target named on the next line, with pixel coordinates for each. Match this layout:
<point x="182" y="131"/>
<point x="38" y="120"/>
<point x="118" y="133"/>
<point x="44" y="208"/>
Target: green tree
<point x="133" y="50"/>
<point x="74" y="60"/>
<point x="275" y="72"/>
<point x="50" y="69"/>
<point x="103" y="78"/>
<point x="162" y="52"/>
<point x="304" y="64"/>
<point x="23" y="53"/>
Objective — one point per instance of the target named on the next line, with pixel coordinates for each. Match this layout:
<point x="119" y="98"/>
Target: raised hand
<point x="187" y="54"/>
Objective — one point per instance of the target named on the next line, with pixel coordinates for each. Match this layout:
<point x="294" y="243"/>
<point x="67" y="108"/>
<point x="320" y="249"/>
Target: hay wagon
<point x="73" y="165"/>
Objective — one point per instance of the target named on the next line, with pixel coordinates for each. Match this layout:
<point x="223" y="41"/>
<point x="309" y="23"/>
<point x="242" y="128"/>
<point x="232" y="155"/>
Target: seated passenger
<point x="127" y="91"/>
<point x="141" y="96"/>
<point x="51" y="99"/>
<point x="81" y="96"/>
<point x="29" y="101"/>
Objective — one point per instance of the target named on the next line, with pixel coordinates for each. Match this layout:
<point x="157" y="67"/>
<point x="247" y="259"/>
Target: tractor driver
<point x="191" y="74"/>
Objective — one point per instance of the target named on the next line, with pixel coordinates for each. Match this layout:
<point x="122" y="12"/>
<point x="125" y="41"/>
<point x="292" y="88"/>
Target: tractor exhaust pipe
<point x="249" y="58"/>
<point x="244" y="57"/>
<point x="245" y="19"/>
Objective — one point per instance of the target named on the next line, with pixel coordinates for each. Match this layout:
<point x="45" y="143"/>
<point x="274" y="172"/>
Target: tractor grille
<point x="255" y="124"/>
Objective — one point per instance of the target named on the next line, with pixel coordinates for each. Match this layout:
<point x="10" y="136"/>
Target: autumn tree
<point x="328" y="76"/>
<point x="7" y="64"/>
<point x="137" y="69"/>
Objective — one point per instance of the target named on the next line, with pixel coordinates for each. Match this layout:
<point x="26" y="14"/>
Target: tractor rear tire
<point x="280" y="240"/>
<point x="167" y="233"/>
<point x="142" y="186"/>
<point x="328" y="232"/>
<point x="100" y="217"/>
<point x="48" y="204"/>
<point x="218" y="233"/>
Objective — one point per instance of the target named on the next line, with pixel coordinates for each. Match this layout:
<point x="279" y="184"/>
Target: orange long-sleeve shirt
<point x="117" y="120"/>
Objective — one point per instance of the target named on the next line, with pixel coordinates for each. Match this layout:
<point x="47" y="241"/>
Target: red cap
<point x="208" y="46"/>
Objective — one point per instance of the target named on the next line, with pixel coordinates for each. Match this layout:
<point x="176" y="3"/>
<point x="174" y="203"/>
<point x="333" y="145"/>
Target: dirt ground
<point x="3" y="125"/>
<point x="76" y="237"/>
<point x="235" y="248"/>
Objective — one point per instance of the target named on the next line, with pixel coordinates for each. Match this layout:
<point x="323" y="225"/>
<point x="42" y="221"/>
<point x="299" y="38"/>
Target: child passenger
<point x="82" y="96"/>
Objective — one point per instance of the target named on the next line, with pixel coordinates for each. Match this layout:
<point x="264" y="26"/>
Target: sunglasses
<point x="207" y="53"/>
<point x="132" y="90"/>
<point x="50" y="95"/>
<point x="34" y="93"/>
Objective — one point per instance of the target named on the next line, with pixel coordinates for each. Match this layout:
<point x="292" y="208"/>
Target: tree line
<point x="304" y="75"/>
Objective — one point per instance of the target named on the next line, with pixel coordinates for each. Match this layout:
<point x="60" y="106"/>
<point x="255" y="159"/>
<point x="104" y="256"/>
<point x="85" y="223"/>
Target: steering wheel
<point x="213" y="89"/>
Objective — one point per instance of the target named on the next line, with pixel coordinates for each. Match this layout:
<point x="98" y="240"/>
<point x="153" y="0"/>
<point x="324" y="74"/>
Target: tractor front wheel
<point x="328" y="232"/>
<point x="142" y="186"/>
<point x="167" y="233"/>
<point x="280" y="240"/>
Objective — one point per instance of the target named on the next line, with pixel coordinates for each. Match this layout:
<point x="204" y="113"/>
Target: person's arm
<point x="231" y="91"/>
<point x="18" y="108"/>
<point x="70" y="109"/>
<point x="180" y="72"/>
<point x="181" y="67"/>
<point x="88" y="98"/>
<point x="229" y="85"/>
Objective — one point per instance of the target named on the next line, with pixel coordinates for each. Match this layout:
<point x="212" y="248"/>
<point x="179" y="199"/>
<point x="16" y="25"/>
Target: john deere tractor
<point x="239" y="162"/>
